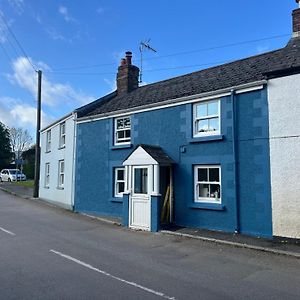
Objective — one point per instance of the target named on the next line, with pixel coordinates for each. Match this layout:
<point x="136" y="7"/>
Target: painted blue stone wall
<point x="171" y="128"/>
<point x="254" y="163"/>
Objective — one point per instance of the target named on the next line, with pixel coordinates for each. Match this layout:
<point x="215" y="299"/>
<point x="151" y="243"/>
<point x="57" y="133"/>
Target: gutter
<point x="177" y="101"/>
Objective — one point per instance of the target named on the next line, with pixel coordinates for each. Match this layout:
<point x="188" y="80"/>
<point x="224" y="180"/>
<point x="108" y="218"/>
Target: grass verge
<point x="27" y="183"/>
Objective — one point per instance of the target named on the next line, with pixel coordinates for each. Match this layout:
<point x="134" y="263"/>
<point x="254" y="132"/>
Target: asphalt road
<point x="49" y="253"/>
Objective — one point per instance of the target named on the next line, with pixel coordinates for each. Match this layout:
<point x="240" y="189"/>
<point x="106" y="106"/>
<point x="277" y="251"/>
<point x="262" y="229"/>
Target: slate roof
<point x="228" y="75"/>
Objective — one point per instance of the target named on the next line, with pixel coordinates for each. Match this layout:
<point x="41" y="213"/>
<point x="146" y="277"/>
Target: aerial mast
<point x="144" y="46"/>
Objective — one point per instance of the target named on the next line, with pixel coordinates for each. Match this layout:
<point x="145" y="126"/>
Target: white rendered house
<point x="58" y="161"/>
<point x="284" y="130"/>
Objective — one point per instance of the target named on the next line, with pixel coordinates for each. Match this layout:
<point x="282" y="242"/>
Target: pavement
<point x="278" y="246"/>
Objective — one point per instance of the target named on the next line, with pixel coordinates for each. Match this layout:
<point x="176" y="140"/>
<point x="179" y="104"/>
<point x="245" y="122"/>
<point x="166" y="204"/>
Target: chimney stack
<point x="296" y="20"/>
<point x="128" y="75"/>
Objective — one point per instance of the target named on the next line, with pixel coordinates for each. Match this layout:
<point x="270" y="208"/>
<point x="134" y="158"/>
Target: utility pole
<point x="37" y="145"/>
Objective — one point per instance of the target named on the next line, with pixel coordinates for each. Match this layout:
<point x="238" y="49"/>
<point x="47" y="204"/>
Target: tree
<point x="20" y="141"/>
<point x="5" y="148"/>
<point x="29" y="157"/>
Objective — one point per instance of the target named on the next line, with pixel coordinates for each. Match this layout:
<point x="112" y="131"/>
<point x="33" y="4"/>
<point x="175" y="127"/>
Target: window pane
<point x="213" y="108"/>
<point x="120" y="174"/>
<point x="120" y="123"/>
<point x="120" y="187"/>
<point x="201" y="110"/>
<point x="214" y="124"/>
<point x="214" y="175"/>
<point x="120" y="134"/>
<point x="202" y="175"/>
<point x="203" y="190"/>
<point x="141" y="181"/>
<point x="127" y="133"/>
<point x="202" y="126"/>
<point x="215" y="191"/>
<point x="127" y="122"/>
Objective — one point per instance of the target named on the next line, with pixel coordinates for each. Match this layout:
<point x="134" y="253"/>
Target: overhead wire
<point x="175" y="54"/>
<point x="17" y="42"/>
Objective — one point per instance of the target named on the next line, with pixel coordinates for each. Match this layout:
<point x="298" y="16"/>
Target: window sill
<point x="208" y="138"/>
<point x="60" y="188"/>
<point x="62" y="147"/>
<point x="46" y="187"/>
<point x="208" y="206"/>
<point x="117" y="200"/>
<point x="48" y="151"/>
<point x="124" y="146"/>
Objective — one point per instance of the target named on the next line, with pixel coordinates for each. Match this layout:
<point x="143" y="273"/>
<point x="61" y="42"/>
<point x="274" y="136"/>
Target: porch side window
<point x="206" y="120"/>
<point x="122" y="130"/>
<point x="62" y="135"/>
<point x="119" y="182"/>
<point x="61" y="174"/>
<point x="48" y="141"/>
<point x="47" y="175"/>
<point x="207" y="184"/>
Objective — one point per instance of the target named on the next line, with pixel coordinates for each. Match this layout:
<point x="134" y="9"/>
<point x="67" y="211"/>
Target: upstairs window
<point x="206" y="118"/>
<point x="122" y="130"/>
<point x="62" y="135"/>
<point x="207" y="180"/>
<point x="48" y="141"/>
<point x="61" y="174"/>
<point x="119" y="182"/>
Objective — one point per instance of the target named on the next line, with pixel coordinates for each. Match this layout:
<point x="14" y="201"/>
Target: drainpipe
<point x="73" y="161"/>
<point x="235" y="169"/>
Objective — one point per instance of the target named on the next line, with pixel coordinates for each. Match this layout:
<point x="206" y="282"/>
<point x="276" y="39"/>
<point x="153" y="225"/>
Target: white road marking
<point x="7" y="231"/>
<point x="112" y="276"/>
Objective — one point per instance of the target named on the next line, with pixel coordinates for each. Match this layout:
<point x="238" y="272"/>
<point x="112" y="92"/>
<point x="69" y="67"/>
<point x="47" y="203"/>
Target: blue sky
<point x="78" y="45"/>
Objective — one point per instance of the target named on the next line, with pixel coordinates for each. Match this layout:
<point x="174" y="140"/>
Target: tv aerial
<point x="144" y="46"/>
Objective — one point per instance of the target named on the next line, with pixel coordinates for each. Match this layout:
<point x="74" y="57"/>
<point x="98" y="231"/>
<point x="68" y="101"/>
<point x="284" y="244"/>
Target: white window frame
<point x="198" y="199"/>
<point x="62" y="135"/>
<point x="48" y="140"/>
<point x="47" y="175"/>
<point x="117" y="181"/>
<point x="124" y="141"/>
<point x="61" y="174"/>
<point x="196" y="119"/>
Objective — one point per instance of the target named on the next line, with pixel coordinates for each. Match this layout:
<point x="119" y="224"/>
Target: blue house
<point x="192" y="150"/>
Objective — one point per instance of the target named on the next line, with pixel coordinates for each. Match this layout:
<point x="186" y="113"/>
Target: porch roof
<point x="148" y="154"/>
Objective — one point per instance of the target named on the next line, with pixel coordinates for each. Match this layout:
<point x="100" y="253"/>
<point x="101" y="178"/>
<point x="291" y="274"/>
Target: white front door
<point x="140" y="205"/>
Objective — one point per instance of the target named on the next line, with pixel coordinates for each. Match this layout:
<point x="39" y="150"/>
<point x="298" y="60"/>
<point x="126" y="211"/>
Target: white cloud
<point x="53" y="94"/>
<point x="38" y="19"/>
<point x="63" y="10"/>
<point x="4" y="28"/>
<point x="100" y="10"/>
<point x="261" y="49"/>
<point x="15" y="113"/>
<point x="54" y="34"/>
<point x="17" y="5"/>
<point x="111" y="83"/>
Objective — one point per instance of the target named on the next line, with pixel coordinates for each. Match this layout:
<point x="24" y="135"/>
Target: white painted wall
<point x="62" y="197"/>
<point x="284" y="118"/>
